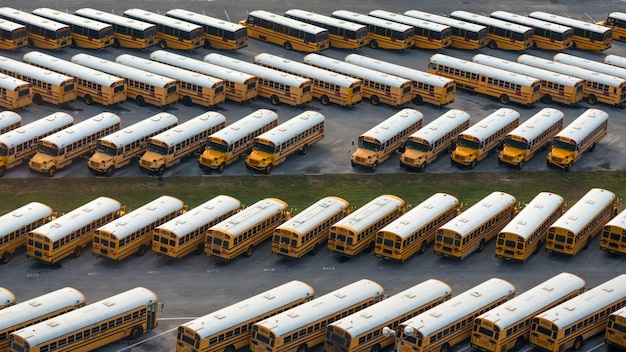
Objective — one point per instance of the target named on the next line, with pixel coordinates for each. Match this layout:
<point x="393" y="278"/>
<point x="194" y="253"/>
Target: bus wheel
<point x="592" y="99"/>
<point x="135" y="332"/>
<point x="52" y="171"/>
<point x="200" y="249"/>
<point x="418" y="100"/>
<point x="207" y="44"/>
<point x="519" y="343"/>
<point x="374" y="44"/>
<point x="481" y="245"/>
<point x="163" y="44"/>
<point x="37" y="99"/>
<point x="592" y="148"/>
<point x="587" y="243"/>
<point x="324" y="100"/>
<point x="546" y="99"/>
<point x="3" y="170"/>
<point x="73" y="43"/>
<point x="375" y="100"/>
<point x="5" y="257"/>
<point x="375" y="166"/>
<point x="116" y="43"/>
<point x="578" y="343"/>
<point x="288" y="46"/>
<point x="268" y="169"/>
<point x="472" y="165"/>
<point x="520" y="165"/>
<point x="493" y="44"/>
<point x="161" y="170"/>
<point x="370" y="247"/>
<point x="220" y="168"/>
<point x="31" y="44"/>
<point x="375" y="348"/>
<point x="305" y="149"/>
<point x="77" y="251"/>
<point x="445" y="348"/>
<point x="274" y="100"/>
<point x="88" y="99"/>
<point x="313" y="251"/>
<point x="140" y="101"/>
<point x="504" y="99"/>
<point x="229" y="349"/>
<point x="423" y="248"/>
<point x="187" y="101"/>
<point x="110" y="171"/>
<point x="302" y="348"/>
<point x="249" y="251"/>
<point x="141" y="250"/>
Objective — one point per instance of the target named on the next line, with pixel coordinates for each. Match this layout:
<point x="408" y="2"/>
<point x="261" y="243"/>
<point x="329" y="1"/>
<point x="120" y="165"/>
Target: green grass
<point x="65" y="194"/>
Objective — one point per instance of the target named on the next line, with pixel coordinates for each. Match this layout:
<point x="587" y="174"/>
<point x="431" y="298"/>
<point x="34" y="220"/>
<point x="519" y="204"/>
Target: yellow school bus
<point x="9" y="121"/>
<point x="341" y="34"/>
<point x="218" y="34"/>
<point x="16" y="224"/>
<point x="615" y="327"/>
<point x="381" y="33"/>
<point x="171" y="32"/>
<point x="15" y="93"/>
<point x="613" y="239"/>
<point x="12" y="35"/>
<point x="428" y="35"/>
<point x="587" y="36"/>
<point x="547" y="35"/>
<point x="465" y="35"/>
<point x="617" y="22"/>
<point x="86" y="33"/>
<point x="127" y="33"/>
<point x="500" y="34"/>
<point x="42" y="32"/>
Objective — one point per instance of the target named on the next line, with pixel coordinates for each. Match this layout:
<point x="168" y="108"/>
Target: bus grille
<point x="254" y="162"/>
<point x="146" y="163"/>
<point x="408" y="160"/>
<point x="459" y="158"/>
<point x="94" y="164"/>
<point x="36" y="165"/>
<point x="557" y="160"/>
<point x="359" y="159"/>
<point x="507" y="157"/>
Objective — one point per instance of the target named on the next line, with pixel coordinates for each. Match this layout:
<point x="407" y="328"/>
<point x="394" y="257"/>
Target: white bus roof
<point x="312" y="216"/>
<point x="6" y="296"/>
<point x="528" y="220"/>
<point x="584" y="124"/>
<point x="35" y="129"/>
<point x="618" y="15"/>
<point x="35" y="72"/>
<point x="595" y="299"/>
<point x="421" y="215"/>
<point x="250" y="216"/>
<point x="191" y="127"/>
<point x="256" y="70"/>
<point x="84" y="128"/>
<point x="370" y="20"/>
<point x="202" y="20"/>
<point x="398" y="70"/>
<point x="22" y="216"/>
<point x="156" y="18"/>
<point x="590" y="65"/>
<point x="93" y="313"/>
<point x="486" y="127"/>
<point x="587" y="207"/>
<point x="201" y="215"/>
<point x="27" y="17"/>
<point x="618" y="221"/>
<point x="471" y="27"/>
<point x="546" y="75"/>
<point x="288" y="129"/>
<point x="141" y="217"/>
<point x="458" y="307"/>
<point x="388" y="310"/>
<point x="177" y="73"/>
<point x="533" y="300"/>
<point x="39" y="306"/>
<point x="77" y="218"/>
<point x="490" y="22"/>
<point x="252" y="307"/>
<point x="200" y="66"/>
<point x="71" y="19"/>
<point x="441" y="125"/>
<point x="621" y="313"/>
<point x="122" y="70"/>
<point x="615" y="60"/>
<point x="298" y="68"/>
<point x="244" y="126"/>
<point x="538" y="123"/>
<point x="11" y="83"/>
<point x="10" y="26"/>
<point x="141" y="129"/>
<point x="288" y="22"/>
<point x="321" y="307"/>
<point x="408" y="20"/>
<point x="112" y="18"/>
<point x="8" y="118"/>
<point x="354" y="70"/>
<point x="478" y="213"/>
<point x="481" y="69"/>
<point x="530" y="22"/>
<point x="370" y="213"/>
<point x="393" y="125"/>
<point x="69" y="68"/>
<point x="567" y="21"/>
<point x="326" y="20"/>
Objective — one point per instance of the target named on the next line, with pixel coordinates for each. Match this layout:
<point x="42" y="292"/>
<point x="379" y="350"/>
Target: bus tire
<point x="592" y="99"/>
<point x="305" y="149"/>
<point x="187" y="101"/>
<point x="31" y="43"/>
<point x="268" y="169"/>
<point x="274" y="100"/>
<point x="73" y="43"/>
<point x="163" y="44"/>
<point x="207" y="44"/>
<point x="587" y="243"/>
<point x="504" y="99"/>
<point x="546" y="99"/>
<point x="369" y="248"/>
<point x="374" y="44"/>
<point x="249" y="251"/>
<point x="37" y="99"/>
<point x="472" y="165"/>
<point x="324" y="99"/>
<point x="52" y="171"/>
<point x="161" y="170"/>
<point x="141" y="250"/>
<point x="520" y="165"/>
<point x="199" y="249"/>
<point x="423" y="247"/>
<point x="302" y="348"/>
<point x="88" y="99"/>
<point x="493" y="45"/>
<point x="116" y="43"/>
<point x="140" y="101"/>
<point x="375" y="166"/>
<point x="445" y="347"/>
<point x="288" y="46"/>
<point x="77" y="251"/>
<point x="110" y="171"/>
<point x="592" y="148"/>
<point x="3" y="170"/>
<point x="313" y="251"/>
<point x="135" y="332"/>
<point x="578" y="343"/>
<point x="220" y="168"/>
<point x="481" y="245"/>
<point x="519" y="343"/>
<point x="6" y="256"/>
<point x="375" y="100"/>
<point x="418" y="100"/>
<point x="375" y="348"/>
<point x="230" y="349"/>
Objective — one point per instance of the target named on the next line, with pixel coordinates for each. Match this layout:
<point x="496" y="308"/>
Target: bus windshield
<point x="417" y="146"/>
<point x="20" y="33"/>
<point x="264" y="148"/>
<point x="563" y="145"/>
<point x="515" y="144"/>
<point x="223" y="148"/>
<point x="369" y="145"/>
<point x="467" y="143"/>
<point x="158" y="149"/>
<point x="106" y="150"/>
<point x="48" y="150"/>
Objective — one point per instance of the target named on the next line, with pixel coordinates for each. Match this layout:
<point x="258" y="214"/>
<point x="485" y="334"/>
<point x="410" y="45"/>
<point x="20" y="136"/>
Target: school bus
<point x="439" y="136"/>
<point x="68" y="234"/>
<point x="428" y="35"/>
<point x="226" y="145"/>
<point x="218" y="34"/>
<point x="15" y="93"/>
<point x="328" y="86"/>
<point x="294" y="135"/>
<point x="581" y="135"/>
<point x="239" y="86"/>
<point x="425" y="87"/>
<point x="7" y="298"/>
<point x="38" y="309"/>
<point x="555" y="87"/>
<point x="412" y="232"/>
<point x="9" y="121"/>
<point x="341" y="34"/>
<point x="46" y="86"/>
<point x="442" y="327"/>
<point x="277" y="86"/>
<point x="613" y="239"/>
<point x="469" y="231"/>
<point x="19" y="144"/>
<point x="92" y="86"/>
<point x="615" y="60"/>
<point x="142" y="86"/>
<point x="587" y="36"/>
<point x="465" y="35"/>
<point x="86" y="33"/>
<point x="171" y="32"/>
<point x="119" y="148"/>
<point x="381" y="33"/>
<point x="575" y="229"/>
<point x="306" y="232"/>
<point x="242" y="232"/>
<point x="42" y="33"/>
<point x="547" y="35"/>
<point x="527" y="231"/>
<point x="507" y="327"/>
<point x="378" y="143"/>
<point x="474" y="77"/>
<point x="615" y="327"/>
<point x="357" y="232"/>
<point x="535" y="134"/>
<point x="373" y="328"/>
<point x="287" y="32"/>
<point x="304" y="327"/>
<point x="476" y="142"/>
<point x="59" y="150"/>
<point x="186" y="233"/>
<point x="569" y="324"/>
<point x="193" y="88"/>
<point x="16" y="224"/>
<point x="128" y="314"/>
<point x="127" y="33"/>
<point x="132" y="233"/>
<point x="168" y="148"/>
<point x="500" y="34"/>
<point x="228" y="328"/>
<point x="591" y="65"/>
<point x="12" y="35"/>
<point x="617" y="22"/>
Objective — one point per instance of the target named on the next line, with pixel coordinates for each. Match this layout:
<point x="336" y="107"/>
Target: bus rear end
<point x="543" y="335"/>
<point x="615" y="335"/>
<point x="613" y="239"/>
